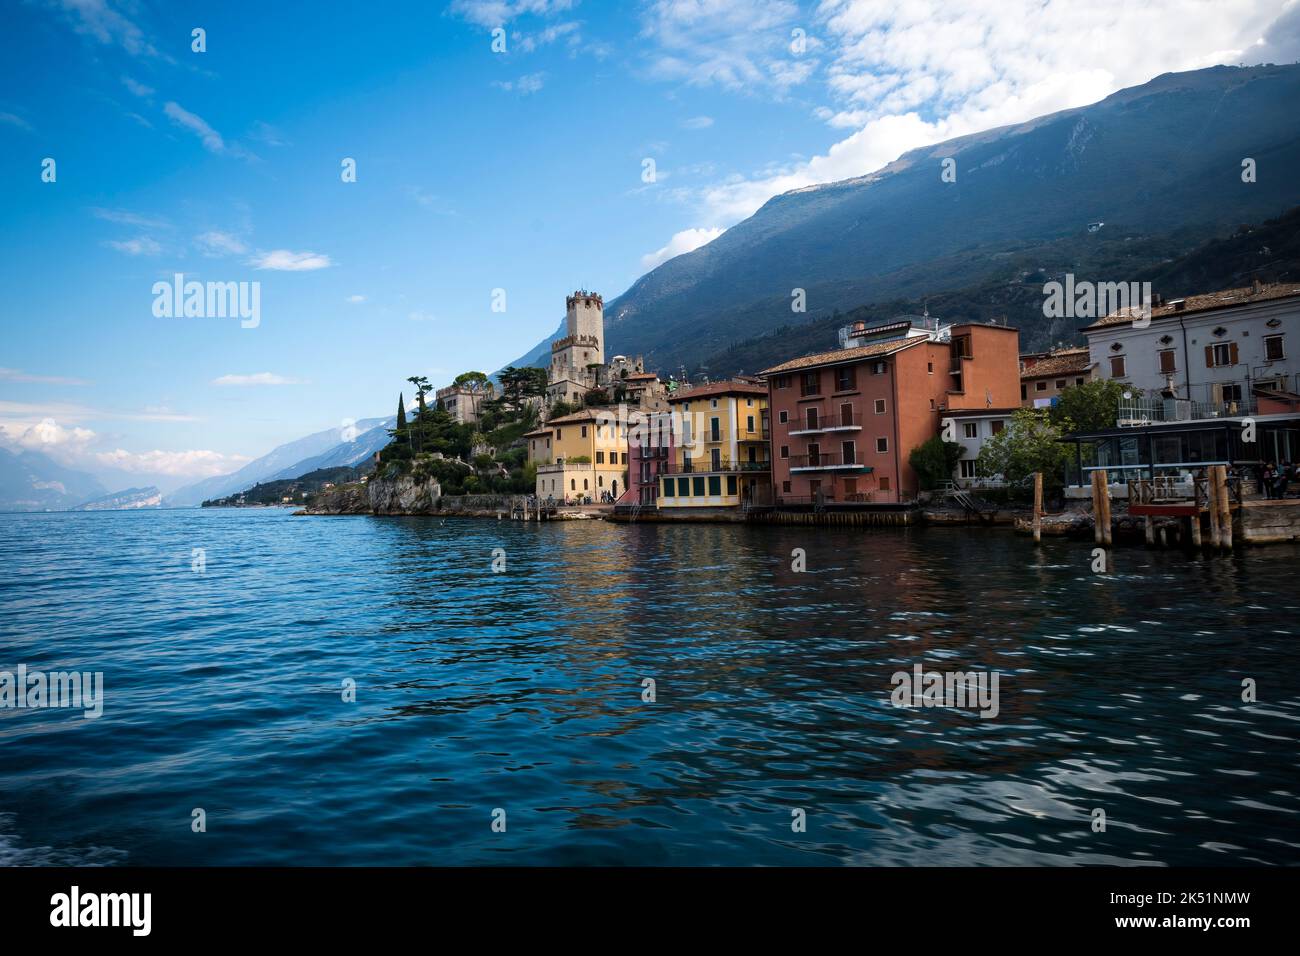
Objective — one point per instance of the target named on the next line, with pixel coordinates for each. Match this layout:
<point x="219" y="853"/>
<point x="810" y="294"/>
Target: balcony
<point x="826" y="461"/>
<point x="830" y="423"/>
<point x="689" y="467"/>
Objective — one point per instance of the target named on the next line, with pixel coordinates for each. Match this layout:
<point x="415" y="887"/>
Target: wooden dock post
<point x="1195" y="520"/>
<point x="1038" y="507"/>
<point x="1096" y="510"/>
<point x="1149" y="526"/>
<point x="1103" y="493"/>
<point x="1225" y="507"/>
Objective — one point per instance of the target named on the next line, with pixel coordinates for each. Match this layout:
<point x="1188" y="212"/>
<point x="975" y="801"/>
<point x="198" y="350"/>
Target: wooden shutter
<point x="1232" y="353"/>
<point x="1209" y="356"/>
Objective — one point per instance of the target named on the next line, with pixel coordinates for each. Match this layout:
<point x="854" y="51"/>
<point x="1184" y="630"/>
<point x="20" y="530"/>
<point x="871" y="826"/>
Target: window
<point x="814" y="454"/>
<point x="697" y="487"/>
<point x="846" y="379"/>
<point x="929" y="367"/>
<point x="884" y="482"/>
<point x="715" y="485"/>
<point x="586" y="486"/>
<point x="1040" y="386"/>
<point x="783" y="416"/>
<point x="785" y="451"/>
<point x="1223" y="354"/>
<point x="625" y="458"/>
<point x="715" y="403"/>
<point x="1077" y="381"/>
<point x="600" y="481"/>
<point x="933" y="406"/>
<point x="1024" y="394"/>
<point x="879" y="368"/>
<point x="785" y="487"/>
<point x="584" y="431"/>
<point x="880" y="406"/>
<point x="882" y="445"/>
<point x="1060" y="383"/>
<point x="559" y="434"/>
<point x="683" y="487"/>
<point x="749" y="423"/>
<point x="1231" y="392"/>
<point x="781" y="381"/>
<point x="999" y="426"/>
<point x="731" y="484"/>
<point x="600" y="458"/>
<point x="850" y="452"/>
<point x="810" y="416"/>
<point x="669" y="490"/>
<point x="749" y="403"/>
<point x="1168" y="361"/>
<point x="714" y="433"/>
<point x="573" y="484"/>
<point x="1273" y="351"/>
<point x="812" y="383"/>
<point x="1117" y="366"/>
<point x="715" y="459"/>
<point x="970" y="429"/>
<point x="966" y="468"/>
<point x="814" y="486"/>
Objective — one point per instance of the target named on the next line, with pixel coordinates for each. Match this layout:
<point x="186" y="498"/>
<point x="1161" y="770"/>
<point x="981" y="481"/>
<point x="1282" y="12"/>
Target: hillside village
<point x="892" y="413"/>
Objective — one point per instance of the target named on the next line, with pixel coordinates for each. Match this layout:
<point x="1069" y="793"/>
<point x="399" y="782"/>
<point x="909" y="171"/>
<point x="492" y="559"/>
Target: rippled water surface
<point x="523" y="691"/>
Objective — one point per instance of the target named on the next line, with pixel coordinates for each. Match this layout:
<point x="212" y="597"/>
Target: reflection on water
<point x="523" y="691"/>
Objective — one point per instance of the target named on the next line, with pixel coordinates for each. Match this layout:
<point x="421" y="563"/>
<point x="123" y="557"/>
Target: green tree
<point x="519" y="384"/>
<point x="933" y="461"/>
<point x="1090" y="407"/>
<point x="422" y="388"/>
<point x="477" y="384"/>
<point x="1030" y="443"/>
<point x="399" y="433"/>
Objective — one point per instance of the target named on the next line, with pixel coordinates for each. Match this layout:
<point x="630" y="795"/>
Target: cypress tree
<point x="400" y="432"/>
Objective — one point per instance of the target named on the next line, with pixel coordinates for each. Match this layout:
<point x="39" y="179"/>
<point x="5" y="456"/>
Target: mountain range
<point x="1158" y="166"/>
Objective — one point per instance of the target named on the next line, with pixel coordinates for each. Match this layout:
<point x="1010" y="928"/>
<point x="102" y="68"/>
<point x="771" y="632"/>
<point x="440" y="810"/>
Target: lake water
<point x="522" y="691"/>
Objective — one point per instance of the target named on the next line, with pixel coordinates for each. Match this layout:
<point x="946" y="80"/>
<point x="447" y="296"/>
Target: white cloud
<point x="196" y="463"/>
<point x="495" y="13"/>
<point x="685" y="241"/>
<point x="197" y="125"/>
<point x="13" y="120"/>
<point x="735" y="44"/>
<point x="217" y="243"/>
<point x="697" y="122"/>
<point x="139" y="246"/>
<point x="528" y="83"/>
<point x="18" y="375"/>
<point x="903" y="76"/>
<point x="258" y="378"/>
<point x="45" y="435"/>
<point x="356" y="299"/>
<point x="139" y="89"/>
<point x="285" y="260"/>
<point x="125" y="217"/>
<point x="97" y="19"/>
<point x="422" y="317"/>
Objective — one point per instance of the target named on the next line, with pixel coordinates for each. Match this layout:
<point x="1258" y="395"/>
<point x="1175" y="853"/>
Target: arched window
<point x="600" y="480"/>
<point x="573" y="484"/>
<point x="585" y="486"/>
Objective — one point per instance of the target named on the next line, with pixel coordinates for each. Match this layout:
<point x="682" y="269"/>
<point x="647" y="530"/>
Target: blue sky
<point x="476" y="170"/>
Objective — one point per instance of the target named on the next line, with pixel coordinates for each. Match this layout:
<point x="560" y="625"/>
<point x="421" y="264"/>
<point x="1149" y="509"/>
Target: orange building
<point x="844" y="423"/>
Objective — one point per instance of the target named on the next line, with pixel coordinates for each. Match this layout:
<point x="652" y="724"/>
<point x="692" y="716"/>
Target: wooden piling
<point x="1195" y="520"/>
<point x="1096" y="510"/>
<point x="1225" y="507"/>
<point x="1038" y="506"/>
<point x="1103" y="491"/>
<point x="1149" y="526"/>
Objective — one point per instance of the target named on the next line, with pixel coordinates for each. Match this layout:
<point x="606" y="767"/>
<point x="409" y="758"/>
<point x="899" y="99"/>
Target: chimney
<point x="1257" y="287"/>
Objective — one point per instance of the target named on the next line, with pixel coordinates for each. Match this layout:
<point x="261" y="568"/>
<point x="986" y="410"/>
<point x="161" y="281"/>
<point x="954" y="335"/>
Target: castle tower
<point x="583" y="345"/>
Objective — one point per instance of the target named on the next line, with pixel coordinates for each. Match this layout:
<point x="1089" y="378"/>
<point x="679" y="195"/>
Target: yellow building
<point x="721" y="457"/>
<point x="580" y="456"/>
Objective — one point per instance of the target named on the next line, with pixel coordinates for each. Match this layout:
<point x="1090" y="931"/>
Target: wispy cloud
<point x="356" y="299"/>
<point x="137" y="88"/>
<point x="99" y="20"/>
<point x="18" y="375"/>
<point x="697" y="122"/>
<point x="495" y="13"/>
<point x="125" y="217"/>
<point x="197" y="125"/>
<point x="216" y="243"/>
<point x="13" y="120"/>
<point x="286" y="260"/>
<point x="526" y="84"/>
<point x="258" y="378"/>
<point x="139" y="246"/>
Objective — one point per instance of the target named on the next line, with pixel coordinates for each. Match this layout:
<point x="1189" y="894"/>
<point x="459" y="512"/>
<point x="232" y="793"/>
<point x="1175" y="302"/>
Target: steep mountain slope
<point x="30" y="481"/>
<point x="1160" y="160"/>
<point x="288" y="460"/>
<point x="131" y="499"/>
<point x="1269" y="252"/>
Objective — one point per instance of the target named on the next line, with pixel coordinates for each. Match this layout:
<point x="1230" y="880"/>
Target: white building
<point x="971" y="429"/>
<point x="1210" y="351"/>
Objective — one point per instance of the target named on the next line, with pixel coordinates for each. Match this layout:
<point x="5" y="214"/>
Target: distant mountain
<point x="31" y="481"/>
<point x="342" y="455"/>
<point x="132" y="499"/>
<point x="297" y="490"/>
<point x="1160" y="163"/>
<point x="286" y="461"/>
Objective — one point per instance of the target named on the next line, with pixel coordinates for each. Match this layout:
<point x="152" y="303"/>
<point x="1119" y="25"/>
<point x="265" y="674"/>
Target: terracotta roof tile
<point x="1207" y="302"/>
<point x="845" y="355"/>
<point x="718" y="388"/>
<point x="1064" y="362"/>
